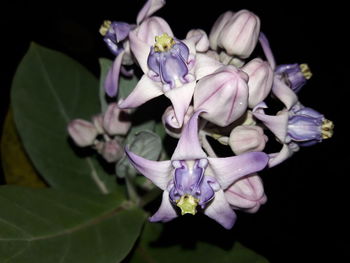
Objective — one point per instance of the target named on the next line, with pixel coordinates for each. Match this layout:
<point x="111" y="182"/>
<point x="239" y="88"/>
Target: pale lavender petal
<point x="188" y="146"/>
<point x="166" y="211"/>
<point x="277" y="124"/>
<point x="267" y="50"/>
<point x="180" y="98"/>
<point x="111" y="83"/>
<point x="160" y="173"/>
<point x="230" y="169"/>
<point x="148" y="9"/>
<point x="145" y="90"/>
<point x="220" y="210"/>
<point x="140" y="49"/>
<point x="285" y="94"/>
<point x="286" y="152"/>
<point x="205" y="65"/>
<point x="199" y="38"/>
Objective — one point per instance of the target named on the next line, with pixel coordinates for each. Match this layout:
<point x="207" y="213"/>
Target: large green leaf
<point x="48" y="91"/>
<point x="157" y="245"/>
<point x="45" y="225"/>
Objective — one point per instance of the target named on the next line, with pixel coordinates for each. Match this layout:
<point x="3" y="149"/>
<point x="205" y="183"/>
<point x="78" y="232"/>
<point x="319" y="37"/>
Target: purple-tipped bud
<point x="260" y="80"/>
<point x="115" y="120"/>
<point x="246" y="194"/>
<point x="223" y="95"/>
<point x="294" y="75"/>
<point x="111" y="150"/>
<point x="114" y="33"/>
<point x="307" y="127"/>
<point x="246" y="138"/>
<point x="237" y="33"/>
<point x="171" y="125"/>
<point x="168" y="60"/>
<point x="82" y="132"/>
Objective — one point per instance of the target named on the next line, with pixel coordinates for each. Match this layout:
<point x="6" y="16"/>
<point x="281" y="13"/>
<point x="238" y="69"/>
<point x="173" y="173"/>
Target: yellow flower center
<point x="163" y="43"/>
<point x="104" y="27"/>
<point x="304" y="68"/>
<point x="327" y="129"/>
<point x="187" y="204"/>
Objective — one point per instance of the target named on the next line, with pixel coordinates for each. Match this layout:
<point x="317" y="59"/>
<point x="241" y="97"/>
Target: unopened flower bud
<point x="237" y="33"/>
<point x="246" y="194"/>
<point x="171" y="125"/>
<point x="246" y="138"/>
<point x="223" y="95"/>
<point x="116" y="121"/>
<point x="260" y="80"/>
<point x="97" y="120"/>
<point x="82" y="132"/>
<point x="111" y="151"/>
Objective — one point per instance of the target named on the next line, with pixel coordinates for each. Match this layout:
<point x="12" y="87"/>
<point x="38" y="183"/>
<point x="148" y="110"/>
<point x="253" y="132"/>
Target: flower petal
<point x="166" y="211"/>
<point x="148" y="9"/>
<point x="285" y="94"/>
<point x="188" y="146"/>
<point x="160" y="173"/>
<point x="181" y="98"/>
<point x="145" y="90"/>
<point x="220" y="210"/>
<point x="140" y="49"/>
<point x="286" y="152"/>
<point x="230" y="169"/>
<point x="277" y="124"/>
<point x="112" y="79"/>
<point x="264" y="42"/>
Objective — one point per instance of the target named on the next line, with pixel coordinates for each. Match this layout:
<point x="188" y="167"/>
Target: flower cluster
<point x="215" y="90"/>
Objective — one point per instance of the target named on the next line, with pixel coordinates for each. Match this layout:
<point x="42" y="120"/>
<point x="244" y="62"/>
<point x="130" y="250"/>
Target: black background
<point x="305" y="217"/>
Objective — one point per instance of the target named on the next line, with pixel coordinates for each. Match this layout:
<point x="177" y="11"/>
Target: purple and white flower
<point x="191" y="179"/>
<point x="299" y="126"/>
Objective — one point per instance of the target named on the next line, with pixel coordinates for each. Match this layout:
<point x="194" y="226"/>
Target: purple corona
<point x="307" y="126"/>
<point x="294" y="75"/>
<point x="113" y="34"/>
<point x="168" y="60"/>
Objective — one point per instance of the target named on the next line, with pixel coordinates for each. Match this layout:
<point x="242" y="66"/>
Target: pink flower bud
<point x="260" y="80"/>
<point x="246" y="194"/>
<point x="246" y="138"/>
<point x="217" y="28"/>
<point x="97" y="120"/>
<point x="223" y="95"/>
<point x="82" y="132"/>
<point x="115" y="120"/>
<point x="111" y="151"/>
<point x="237" y="33"/>
<point x="171" y="125"/>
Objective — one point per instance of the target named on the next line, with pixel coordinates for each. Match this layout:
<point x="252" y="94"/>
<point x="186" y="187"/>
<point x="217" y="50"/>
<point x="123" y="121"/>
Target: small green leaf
<point x="45" y="225"/>
<point x="126" y="85"/>
<point x="105" y="65"/>
<point x="157" y="245"/>
<point x="49" y="90"/>
<point x="146" y="144"/>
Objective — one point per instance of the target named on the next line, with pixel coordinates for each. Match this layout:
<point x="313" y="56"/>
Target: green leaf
<point x="45" y="225"/>
<point x="126" y="85"/>
<point x="146" y="144"/>
<point x="49" y="90"/>
<point x="157" y="245"/>
<point x="16" y="166"/>
<point x="105" y="65"/>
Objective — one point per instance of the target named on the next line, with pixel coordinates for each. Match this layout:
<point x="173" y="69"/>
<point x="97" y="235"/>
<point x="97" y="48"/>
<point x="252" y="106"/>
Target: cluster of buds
<point x="215" y="90"/>
<point x="104" y="133"/>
